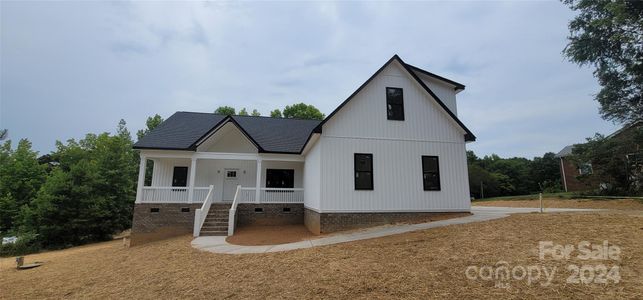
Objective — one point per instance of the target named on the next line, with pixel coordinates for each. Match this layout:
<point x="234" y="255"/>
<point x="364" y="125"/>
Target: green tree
<point x="151" y="123"/>
<point x="610" y="160"/>
<point x="609" y="35"/>
<point x="20" y="179"/>
<point x="255" y="113"/>
<point x="89" y="195"/>
<point x="517" y="171"/>
<point x="302" y="111"/>
<point x="243" y="112"/>
<point x="471" y="157"/>
<point x="276" y="113"/>
<point x="225" y="110"/>
<point x="512" y="176"/>
<point x="545" y="172"/>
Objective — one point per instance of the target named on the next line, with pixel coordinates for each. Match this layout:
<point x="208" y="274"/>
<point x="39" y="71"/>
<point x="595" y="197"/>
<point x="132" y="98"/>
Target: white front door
<point x="230" y="182"/>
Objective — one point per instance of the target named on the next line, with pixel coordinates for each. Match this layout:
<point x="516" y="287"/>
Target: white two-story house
<point x="393" y="151"/>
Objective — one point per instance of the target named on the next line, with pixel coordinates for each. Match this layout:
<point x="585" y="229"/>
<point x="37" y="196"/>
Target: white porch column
<point x="191" y="184"/>
<point x="141" y="178"/>
<point x="258" y="182"/>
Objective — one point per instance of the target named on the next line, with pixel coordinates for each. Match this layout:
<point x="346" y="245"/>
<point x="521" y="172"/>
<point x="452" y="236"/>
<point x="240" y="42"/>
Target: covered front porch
<point x="188" y="177"/>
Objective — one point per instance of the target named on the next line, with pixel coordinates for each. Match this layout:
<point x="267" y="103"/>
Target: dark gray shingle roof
<point x="183" y="130"/>
<point x="277" y="134"/>
<point x="566" y="151"/>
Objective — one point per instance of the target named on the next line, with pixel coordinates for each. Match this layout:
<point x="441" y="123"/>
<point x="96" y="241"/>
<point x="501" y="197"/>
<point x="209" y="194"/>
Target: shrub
<point x="27" y="243"/>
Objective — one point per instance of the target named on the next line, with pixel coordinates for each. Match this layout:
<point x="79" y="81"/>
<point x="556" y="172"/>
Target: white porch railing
<point x="279" y="195"/>
<point x="233" y="211"/>
<point x="172" y="194"/>
<point x="200" y="193"/>
<point x="271" y="195"/>
<point x="246" y="195"/>
<point x="200" y="214"/>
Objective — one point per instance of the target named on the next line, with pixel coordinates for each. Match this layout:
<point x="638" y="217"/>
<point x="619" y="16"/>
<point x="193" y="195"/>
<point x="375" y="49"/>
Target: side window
<point x="431" y="173"/>
<point x="585" y="169"/>
<point x="180" y="176"/>
<point x="394" y="104"/>
<point x="363" y="171"/>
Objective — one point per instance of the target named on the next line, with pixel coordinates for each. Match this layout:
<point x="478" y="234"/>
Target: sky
<point x="71" y="68"/>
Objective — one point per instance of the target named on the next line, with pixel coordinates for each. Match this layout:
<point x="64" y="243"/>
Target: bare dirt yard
<point x="423" y="264"/>
<point x="618" y="204"/>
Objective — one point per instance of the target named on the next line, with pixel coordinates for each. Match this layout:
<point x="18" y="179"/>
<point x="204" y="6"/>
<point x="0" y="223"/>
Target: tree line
<point x="81" y="192"/>
<point x="493" y="176"/>
<point x="295" y="111"/>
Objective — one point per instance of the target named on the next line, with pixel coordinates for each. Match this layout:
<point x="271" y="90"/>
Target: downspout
<point x="562" y="168"/>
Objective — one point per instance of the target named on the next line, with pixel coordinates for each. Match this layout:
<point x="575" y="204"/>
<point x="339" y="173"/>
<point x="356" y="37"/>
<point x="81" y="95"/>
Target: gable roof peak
<point x="469" y="136"/>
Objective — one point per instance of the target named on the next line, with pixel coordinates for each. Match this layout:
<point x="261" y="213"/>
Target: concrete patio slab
<point x="218" y="244"/>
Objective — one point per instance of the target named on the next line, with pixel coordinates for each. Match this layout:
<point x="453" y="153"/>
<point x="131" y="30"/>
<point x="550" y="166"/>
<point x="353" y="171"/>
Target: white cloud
<point x="72" y="68"/>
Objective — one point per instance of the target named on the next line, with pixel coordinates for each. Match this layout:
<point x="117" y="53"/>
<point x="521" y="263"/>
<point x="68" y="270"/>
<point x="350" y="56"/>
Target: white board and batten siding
<point x="444" y="91"/>
<point x="163" y="170"/>
<point x="312" y="178"/>
<point x="361" y="126"/>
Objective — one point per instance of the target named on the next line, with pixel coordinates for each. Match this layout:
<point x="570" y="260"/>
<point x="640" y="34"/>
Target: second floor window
<point x="394" y="104"/>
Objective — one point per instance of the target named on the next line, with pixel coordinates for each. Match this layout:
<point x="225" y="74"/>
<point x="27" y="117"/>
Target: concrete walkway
<point x="218" y="244"/>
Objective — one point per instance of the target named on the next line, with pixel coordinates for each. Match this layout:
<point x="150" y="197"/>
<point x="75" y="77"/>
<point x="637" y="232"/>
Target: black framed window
<point x="180" y="176"/>
<point x="363" y="171"/>
<point x="431" y="173"/>
<point x="280" y="178"/>
<point x="394" y="104"/>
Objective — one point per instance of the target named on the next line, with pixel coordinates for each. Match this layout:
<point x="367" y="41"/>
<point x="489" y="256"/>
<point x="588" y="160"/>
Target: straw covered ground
<point x="423" y="264"/>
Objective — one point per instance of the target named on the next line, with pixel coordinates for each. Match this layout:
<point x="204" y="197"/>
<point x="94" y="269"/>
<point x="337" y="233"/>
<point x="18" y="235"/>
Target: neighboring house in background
<point x="570" y="171"/>
<point x="393" y="151"/>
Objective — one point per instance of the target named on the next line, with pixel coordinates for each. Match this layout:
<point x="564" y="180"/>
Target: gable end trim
<point x="468" y="136"/>
<point x="218" y="126"/>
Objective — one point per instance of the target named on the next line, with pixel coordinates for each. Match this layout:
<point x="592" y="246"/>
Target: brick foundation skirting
<point x="319" y="223"/>
<point x="169" y="221"/>
<point x="270" y="214"/>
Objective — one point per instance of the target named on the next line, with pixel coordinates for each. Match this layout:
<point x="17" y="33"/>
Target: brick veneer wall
<point x="331" y="222"/>
<point x="573" y="184"/>
<point x="168" y="222"/>
<point x="272" y="214"/>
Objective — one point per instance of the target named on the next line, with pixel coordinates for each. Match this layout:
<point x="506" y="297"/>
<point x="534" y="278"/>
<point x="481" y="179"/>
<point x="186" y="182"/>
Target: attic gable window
<point x="394" y="104"/>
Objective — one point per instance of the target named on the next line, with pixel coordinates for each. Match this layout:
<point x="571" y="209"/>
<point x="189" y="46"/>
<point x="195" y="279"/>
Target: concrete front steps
<point x="216" y="222"/>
